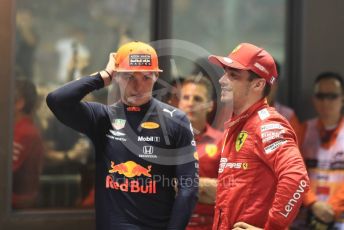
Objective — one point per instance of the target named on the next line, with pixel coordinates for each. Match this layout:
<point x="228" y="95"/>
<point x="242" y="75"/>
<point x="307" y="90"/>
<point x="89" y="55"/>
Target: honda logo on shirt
<point x="148" y="149"/>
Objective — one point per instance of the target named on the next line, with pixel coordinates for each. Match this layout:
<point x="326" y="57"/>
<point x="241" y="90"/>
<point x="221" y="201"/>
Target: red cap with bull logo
<point x="249" y="57"/>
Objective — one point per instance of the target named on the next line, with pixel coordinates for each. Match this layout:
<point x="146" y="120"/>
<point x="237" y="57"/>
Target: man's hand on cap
<point x="109" y="73"/>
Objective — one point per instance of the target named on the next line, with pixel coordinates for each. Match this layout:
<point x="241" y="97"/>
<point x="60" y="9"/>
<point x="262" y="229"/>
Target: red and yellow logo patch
<point x="211" y="149"/>
<point x="150" y="125"/>
<point x="240" y="140"/>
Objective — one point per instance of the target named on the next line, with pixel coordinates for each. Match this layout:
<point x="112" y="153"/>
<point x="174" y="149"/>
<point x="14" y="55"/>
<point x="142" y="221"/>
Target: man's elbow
<point x="53" y="102"/>
<point x="50" y="100"/>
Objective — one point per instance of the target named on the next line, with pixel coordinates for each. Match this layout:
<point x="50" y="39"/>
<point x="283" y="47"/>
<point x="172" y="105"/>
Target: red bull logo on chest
<point x="131" y="169"/>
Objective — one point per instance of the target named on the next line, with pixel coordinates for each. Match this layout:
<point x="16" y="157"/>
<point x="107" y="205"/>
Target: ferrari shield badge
<point x="240" y="140"/>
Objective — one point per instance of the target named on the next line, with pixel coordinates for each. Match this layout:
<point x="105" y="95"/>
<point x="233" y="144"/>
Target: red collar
<point x="244" y="115"/>
<point x="133" y="109"/>
<point x="234" y="121"/>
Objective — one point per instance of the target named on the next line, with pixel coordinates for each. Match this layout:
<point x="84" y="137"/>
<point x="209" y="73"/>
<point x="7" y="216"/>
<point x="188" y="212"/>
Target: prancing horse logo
<point x="240" y="140"/>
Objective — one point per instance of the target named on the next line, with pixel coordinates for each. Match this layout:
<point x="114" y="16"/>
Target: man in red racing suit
<point x="262" y="178"/>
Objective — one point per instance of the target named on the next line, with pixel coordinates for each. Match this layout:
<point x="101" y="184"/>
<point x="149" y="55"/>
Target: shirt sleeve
<point x="187" y="176"/>
<point x="309" y="198"/>
<point x="66" y="105"/>
<point x="337" y="201"/>
<point x="298" y="129"/>
<point x="277" y="147"/>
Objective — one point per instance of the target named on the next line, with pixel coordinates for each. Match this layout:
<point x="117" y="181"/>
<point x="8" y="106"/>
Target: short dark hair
<point x="27" y="90"/>
<point x="267" y="87"/>
<point x="201" y="80"/>
<point x="330" y="75"/>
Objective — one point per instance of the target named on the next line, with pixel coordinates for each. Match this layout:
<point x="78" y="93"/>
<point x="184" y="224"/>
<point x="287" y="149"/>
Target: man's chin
<point x="226" y="99"/>
<point x="137" y="101"/>
<point x="134" y="103"/>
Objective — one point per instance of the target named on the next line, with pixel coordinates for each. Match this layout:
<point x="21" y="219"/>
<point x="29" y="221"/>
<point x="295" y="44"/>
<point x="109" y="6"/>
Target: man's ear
<point x="259" y="84"/>
<point x="210" y="106"/>
<point x="155" y="77"/>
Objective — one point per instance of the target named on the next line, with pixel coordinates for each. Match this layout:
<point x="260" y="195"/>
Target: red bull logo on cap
<point x="131" y="169"/>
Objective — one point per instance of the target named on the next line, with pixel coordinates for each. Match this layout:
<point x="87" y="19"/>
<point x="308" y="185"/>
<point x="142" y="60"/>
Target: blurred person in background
<point x="322" y="146"/>
<point x="221" y="110"/>
<point x="26" y="43"/>
<point x="262" y="178"/>
<point x="173" y="95"/>
<point x="74" y="55"/>
<point x="68" y="154"/>
<point x="196" y="101"/>
<point x="284" y="110"/>
<point x="28" y="148"/>
<point x="142" y="145"/>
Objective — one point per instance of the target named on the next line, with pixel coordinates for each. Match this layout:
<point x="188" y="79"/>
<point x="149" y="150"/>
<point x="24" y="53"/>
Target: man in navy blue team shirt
<point x="146" y="167"/>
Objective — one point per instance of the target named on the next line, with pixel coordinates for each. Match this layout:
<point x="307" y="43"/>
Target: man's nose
<point x="189" y="101"/>
<point x="222" y="80"/>
<point x="138" y="84"/>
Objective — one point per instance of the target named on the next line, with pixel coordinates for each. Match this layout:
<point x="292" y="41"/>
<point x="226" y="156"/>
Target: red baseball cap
<point x="249" y="57"/>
